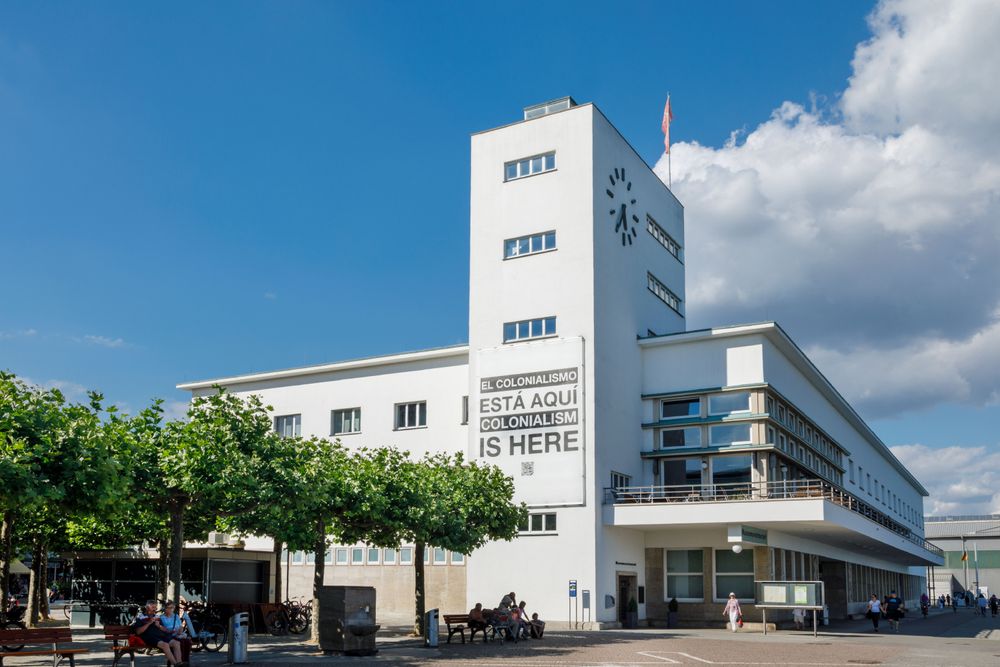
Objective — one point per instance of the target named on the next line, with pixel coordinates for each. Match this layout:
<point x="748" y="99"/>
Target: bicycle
<point x="13" y="619"/>
<point x="291" y="616"/>
<point x="212" y="632"/>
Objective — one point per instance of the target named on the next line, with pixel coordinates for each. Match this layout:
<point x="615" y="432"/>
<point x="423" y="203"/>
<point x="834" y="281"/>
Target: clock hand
<point x="622" y="220"/>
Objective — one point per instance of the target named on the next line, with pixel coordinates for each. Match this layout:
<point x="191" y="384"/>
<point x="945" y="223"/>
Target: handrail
<point x="794" y="489"/>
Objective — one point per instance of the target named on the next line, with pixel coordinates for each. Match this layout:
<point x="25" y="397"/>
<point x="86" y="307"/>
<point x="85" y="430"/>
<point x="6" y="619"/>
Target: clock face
<point x="622" y="211"/>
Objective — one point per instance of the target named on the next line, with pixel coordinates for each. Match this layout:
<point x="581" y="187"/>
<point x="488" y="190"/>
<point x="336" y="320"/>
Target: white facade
<point x="576" y="344"/>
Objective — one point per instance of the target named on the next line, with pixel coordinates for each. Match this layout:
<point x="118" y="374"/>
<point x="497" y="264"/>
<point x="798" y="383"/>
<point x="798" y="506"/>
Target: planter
<point x="631" y="619"/>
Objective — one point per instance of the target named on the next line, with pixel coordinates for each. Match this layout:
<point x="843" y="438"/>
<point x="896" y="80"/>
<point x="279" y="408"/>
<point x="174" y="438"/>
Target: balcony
<point x="796" y="493"/>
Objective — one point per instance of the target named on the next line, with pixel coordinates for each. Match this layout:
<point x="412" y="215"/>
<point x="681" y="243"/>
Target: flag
<point x="965" y="555"/>
<point x="668" y="116"/>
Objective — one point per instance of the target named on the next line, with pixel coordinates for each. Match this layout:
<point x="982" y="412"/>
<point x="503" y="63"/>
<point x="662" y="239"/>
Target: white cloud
<point x="71" y="391"/>
<point x="19" y="333"/>
<point x="175" y="410"/>
<point x="870" y="230"/>
<point x="270" y="296"/>
<point x="104" y="341"/>
<point x="960" y="480"/>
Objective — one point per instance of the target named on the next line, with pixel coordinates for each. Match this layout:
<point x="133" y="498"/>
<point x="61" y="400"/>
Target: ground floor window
<point x="734" y="574"/>
<point x="685" y="575"/>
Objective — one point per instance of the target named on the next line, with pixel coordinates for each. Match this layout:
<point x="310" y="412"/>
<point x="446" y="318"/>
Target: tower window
<point x="529" y="166"/>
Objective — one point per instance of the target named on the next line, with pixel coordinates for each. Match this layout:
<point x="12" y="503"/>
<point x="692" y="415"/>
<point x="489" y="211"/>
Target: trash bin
<point x="237" y="650"/>
<point x="431" y="628"/>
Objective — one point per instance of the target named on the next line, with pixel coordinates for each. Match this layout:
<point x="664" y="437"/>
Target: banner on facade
<point x="528" y="407"/>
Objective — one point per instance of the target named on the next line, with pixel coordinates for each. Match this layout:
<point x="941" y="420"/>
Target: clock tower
<point x="576" y="250"/>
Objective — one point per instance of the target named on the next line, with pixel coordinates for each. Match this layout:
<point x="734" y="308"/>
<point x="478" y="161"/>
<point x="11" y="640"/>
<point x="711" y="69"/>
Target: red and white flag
<point x="668" y="116"/>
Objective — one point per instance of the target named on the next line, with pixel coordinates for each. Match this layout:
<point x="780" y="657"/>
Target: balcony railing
<point x="757" y="491"/>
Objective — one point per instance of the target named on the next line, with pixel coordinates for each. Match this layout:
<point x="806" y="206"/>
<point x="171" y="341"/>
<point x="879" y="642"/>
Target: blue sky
<point x="199" y="189"/>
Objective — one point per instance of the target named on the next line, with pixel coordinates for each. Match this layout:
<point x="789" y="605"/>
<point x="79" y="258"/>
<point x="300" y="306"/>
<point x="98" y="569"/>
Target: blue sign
<point x="572" y="588"/>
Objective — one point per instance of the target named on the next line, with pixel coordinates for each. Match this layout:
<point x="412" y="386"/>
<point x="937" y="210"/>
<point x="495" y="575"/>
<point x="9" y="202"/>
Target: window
<point x="539" y="523"/>
<point x="688" y="407"/>
<point x="389" y="557"/>
<point x="529" y="245"/>
<point x="373" y="556"/>
<point x="345" y="421"/>
<point x="440" y="557"/>
<point x="427" y="555"/>
<point x="406" y="556"/>
<point x="681" y="437"/>
<point x="732" y="401"/>
<point x="685" y="575"/>
<point x="861" y="477"/>
<point x="328" y="557"/>
<point x="529" y="166"/>
<point x="527" y="329"/>
<point x="868" y="482"/>
<point x="850" y="469"/>
<point x="465" y="409"/>
<point x="662" y="292"/>
<point x="310" y="558"/>
<point x="666" y="240"/>
<point x="457" y="558"/>
<point x="682" y="472"/>
<point x="734" y="574"/>
<point x="729" y="434"/>
<point x="770" y="435"/>
<point x="620" y="480"/>
<point x="411" y="415"/>
<point x="288" y="425"/>
<point x="298" y="557"/>
<point x="357" y="555"/>
<point x="731" y="469"/>
<point x="341" y="556"/>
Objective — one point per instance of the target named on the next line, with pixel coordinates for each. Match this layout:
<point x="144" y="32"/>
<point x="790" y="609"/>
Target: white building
<point x="645" y="451"/>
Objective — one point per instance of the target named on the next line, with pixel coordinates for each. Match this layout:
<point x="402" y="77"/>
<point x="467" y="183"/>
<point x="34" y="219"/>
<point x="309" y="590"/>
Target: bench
<point x="123" y="643"/>
<point x="460" y="623"/>
<point x="41" y="636"/>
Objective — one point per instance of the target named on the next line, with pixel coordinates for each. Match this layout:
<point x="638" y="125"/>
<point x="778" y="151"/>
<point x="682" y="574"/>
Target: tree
<point x="55" y="463"/>
<point x="447" y="502"/>
<point x="208" y="465"/>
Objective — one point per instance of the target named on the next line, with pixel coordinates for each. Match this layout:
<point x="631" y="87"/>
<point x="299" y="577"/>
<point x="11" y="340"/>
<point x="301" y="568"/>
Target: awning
<point x="17" y="567"/>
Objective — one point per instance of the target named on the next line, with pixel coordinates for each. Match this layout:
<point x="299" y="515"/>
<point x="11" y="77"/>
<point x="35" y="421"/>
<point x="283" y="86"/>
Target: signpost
<point x="572" y="602"/>
<point x="790" y="595"/>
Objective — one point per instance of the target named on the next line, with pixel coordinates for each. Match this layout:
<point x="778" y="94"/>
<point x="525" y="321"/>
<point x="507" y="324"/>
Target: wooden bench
<point x="41" y="636"/>
<point x="460" y="623"/>
<point x="124" y="642"/>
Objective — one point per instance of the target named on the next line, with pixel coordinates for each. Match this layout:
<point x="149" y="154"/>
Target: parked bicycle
<point x="291" y="616"/>
<point x="12" y="618"/>
<point x="210" y="631"/>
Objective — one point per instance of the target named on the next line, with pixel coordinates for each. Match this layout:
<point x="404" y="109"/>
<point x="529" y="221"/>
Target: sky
<point x="192" y="190"/>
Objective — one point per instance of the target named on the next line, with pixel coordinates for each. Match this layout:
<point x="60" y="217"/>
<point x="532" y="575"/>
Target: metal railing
<point x="797" y="489"/>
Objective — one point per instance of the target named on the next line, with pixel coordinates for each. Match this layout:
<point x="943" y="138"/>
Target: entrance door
<point x="627" y="590"/>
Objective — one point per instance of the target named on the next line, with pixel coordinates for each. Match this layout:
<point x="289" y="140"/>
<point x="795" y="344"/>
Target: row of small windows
<point x="540" y="327"/>
<point x="661" y="235"/>
<point x="801" y="428"/>
<point x="529" y="166"/>
<point x="887" y="497"/>
<point x="529" y="245"/>
<point x="360" y="555"/>
<point x="347" y="421"/>
<point x="663" y="292"/>
<point x="719" y="435"/>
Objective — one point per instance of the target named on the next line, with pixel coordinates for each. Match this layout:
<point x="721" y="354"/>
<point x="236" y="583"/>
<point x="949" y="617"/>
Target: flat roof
<point x="773" y="331"/>
<point x="363" y="362"/>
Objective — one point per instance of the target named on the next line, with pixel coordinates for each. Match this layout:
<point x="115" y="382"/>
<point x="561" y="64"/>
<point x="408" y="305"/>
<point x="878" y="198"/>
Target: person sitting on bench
<point x="152" y="633"/>
<point x="477" y="620"/>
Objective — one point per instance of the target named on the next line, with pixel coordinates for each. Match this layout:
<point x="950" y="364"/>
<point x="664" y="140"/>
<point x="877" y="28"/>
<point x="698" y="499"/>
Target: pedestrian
<point x="982" y="602"/>
<point x="874" y="611"/>
<point x="732" y="609"/>
<point x="953" y="601"/>
<point x="894" y="609"/>
<point x="799" y="616"/>
<point x="994" y="603"/>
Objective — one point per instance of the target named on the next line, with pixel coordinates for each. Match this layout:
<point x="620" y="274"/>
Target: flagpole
<point x="670" y="175"/>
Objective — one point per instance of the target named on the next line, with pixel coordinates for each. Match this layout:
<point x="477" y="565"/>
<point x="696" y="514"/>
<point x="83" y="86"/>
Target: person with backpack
<point x="874" y="611"/>
<point x="894" y="610"/>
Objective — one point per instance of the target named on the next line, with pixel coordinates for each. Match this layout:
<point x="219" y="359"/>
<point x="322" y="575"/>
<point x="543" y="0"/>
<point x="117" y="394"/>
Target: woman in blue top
<point x="173" y="623"/>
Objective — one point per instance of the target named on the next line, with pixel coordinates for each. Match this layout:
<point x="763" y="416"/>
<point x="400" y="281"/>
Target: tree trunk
<point x="162" y="571"/>
<point x="6" y="542"/>
<point x="418" y="586"/>
<point x="43" y="587"/>
<point x="176" y="546"/>
<point x="278" y="548"/>
<point x="33" y="582"/>
<point x="319" y="572"/>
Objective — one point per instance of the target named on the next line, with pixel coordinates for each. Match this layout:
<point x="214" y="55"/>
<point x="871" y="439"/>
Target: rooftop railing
<point x="761" y="491"/>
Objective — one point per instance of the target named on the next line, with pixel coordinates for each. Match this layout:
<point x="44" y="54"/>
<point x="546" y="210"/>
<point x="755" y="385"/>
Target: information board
<point x="528" y="414"/>
<point x="790" y="594"/>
